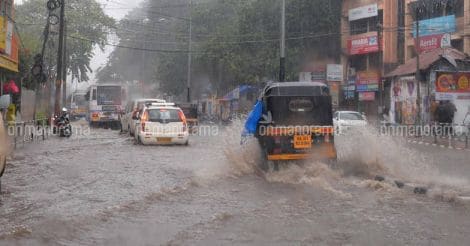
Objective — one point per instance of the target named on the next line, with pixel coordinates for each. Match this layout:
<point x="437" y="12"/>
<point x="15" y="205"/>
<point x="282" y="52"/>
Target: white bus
<point x="105" y="103"/>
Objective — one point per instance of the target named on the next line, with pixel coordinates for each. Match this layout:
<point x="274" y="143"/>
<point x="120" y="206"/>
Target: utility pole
<point x="188" y="86"/>
<point x="418" y="74"/>
<point x="381" y="52"/>
<point x="64" y="65"/>
<point x="282" y="65"/>
<point x="60" y="57"/>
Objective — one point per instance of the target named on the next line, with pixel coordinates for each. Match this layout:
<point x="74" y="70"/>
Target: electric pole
<point x="188" y="86"/>
<point x="418" y="74"/>
<point x="64" y="65"/>
<point x="282" y="65"/>
<point x="381" y="52"/>
<point x="60" y="57"/>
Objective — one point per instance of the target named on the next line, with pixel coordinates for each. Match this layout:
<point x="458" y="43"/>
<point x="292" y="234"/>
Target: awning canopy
<point x="426" y="60"/>
<point x="235" y="93"/>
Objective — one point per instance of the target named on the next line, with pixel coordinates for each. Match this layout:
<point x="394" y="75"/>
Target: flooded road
<point x="102" y="189"/>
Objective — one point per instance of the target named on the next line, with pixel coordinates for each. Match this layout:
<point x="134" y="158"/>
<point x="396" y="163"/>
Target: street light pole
<point x="188" y="86"/>
<point x="282" y="65"/>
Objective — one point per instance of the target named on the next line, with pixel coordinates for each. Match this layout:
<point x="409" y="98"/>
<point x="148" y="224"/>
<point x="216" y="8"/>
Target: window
<point x="366" y="25"/>
<point x="359" y="62"/>
<point x="439" y="9"/>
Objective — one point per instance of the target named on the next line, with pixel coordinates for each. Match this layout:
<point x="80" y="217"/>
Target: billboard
<point x="367" y="77"/>
<point x="363" y="45"/>
<point x="452" y="85"/>
<point x="363" y="12"/>
<point x="439" y="25"/>
<point x="334" y="72"/>
<point x="432" y="42"/>
<point x="366" y="96"/>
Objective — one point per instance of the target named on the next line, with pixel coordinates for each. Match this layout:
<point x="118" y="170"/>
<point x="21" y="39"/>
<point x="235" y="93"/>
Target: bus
<point x="78" y="105"/>
<point x="105" y="104"/>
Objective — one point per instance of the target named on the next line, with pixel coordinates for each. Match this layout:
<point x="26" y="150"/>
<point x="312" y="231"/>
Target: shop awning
<point x="426" y="60"/>
<point x="235" y="93"/>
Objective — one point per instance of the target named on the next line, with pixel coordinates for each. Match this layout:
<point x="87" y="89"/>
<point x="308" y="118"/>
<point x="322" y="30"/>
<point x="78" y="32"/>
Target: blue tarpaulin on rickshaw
<point x="253" y="119"/>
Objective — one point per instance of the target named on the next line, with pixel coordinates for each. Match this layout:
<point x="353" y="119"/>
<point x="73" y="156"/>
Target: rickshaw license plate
<point x="164" y="140"/>
<point x="302" y="141"/>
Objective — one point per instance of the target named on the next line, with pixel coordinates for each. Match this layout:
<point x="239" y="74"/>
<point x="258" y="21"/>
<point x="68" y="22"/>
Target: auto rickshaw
<point x="293" y="122"/>
<point x="191" y="113"/>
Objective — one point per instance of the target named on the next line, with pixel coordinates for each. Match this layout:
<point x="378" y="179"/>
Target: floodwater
<point x="102" y="189"/>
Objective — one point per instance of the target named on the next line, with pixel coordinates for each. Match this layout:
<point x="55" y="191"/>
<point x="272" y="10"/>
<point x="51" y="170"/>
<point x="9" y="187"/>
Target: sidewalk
<point x="461" y="143"/>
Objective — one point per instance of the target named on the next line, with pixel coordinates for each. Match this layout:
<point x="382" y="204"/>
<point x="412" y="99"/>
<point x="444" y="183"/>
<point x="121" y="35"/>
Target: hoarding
<point x="366" y="96"/>
<point x="334" y="72"/>
<point x="363" y="12"/>
<point x="450" y="85"/>
<point x="433" y="42"/>
<point x="367" y="77"/>
<point x="363" y="45"/>
<point x="439" y="25"/>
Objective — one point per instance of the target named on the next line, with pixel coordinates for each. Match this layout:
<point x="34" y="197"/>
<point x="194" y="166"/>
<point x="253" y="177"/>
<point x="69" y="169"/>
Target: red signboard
<point x="432" y="42"/>
<point x="363" y="45"/>
<point x="367" y="96"/>
<point x="367" y="77"/>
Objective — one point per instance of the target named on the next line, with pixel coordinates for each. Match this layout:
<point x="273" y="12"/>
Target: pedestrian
<point x="450" y="110"/>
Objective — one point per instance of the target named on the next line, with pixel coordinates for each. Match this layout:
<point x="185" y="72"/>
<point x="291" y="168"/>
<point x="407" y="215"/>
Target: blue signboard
<point x="367" y="87"/>
<point x="439" y="25"/>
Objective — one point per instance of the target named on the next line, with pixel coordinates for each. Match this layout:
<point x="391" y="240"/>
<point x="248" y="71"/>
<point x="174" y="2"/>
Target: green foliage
<point x="85" y="21"/>
<point x="234" y="41"/>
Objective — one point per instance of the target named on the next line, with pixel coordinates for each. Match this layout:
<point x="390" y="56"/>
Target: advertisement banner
<point x="9" y="38"/>
<point x="318" y="75"/>
<point x="433" y="42"/>
<point x="363" y="12"/>
<point x="445" y="24"/>
<point x="450" y="85"/>
<point x="367" y="77"/>
<point x="366" y="96"/>
<point x="334" y="72"/>
<point x="369" y="87"/>
<point x="363" y="45"/>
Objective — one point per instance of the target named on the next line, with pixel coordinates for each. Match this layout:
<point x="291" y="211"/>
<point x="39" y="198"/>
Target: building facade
<point x="370" y="48"/>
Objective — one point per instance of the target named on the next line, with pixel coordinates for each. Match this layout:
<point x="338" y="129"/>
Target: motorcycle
<point x="62" y="124"/>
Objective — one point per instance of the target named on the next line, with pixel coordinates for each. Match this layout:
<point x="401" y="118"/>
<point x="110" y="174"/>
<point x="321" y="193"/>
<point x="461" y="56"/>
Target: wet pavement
<point x="102" y="189"/>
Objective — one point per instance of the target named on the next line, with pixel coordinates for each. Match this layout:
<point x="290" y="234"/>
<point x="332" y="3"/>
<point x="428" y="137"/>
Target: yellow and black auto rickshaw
<point x="296" y="123"/>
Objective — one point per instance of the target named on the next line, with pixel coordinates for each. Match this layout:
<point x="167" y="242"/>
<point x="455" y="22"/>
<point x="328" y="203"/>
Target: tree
<point x="87" y="26"/>
<point x="235" y="42"/>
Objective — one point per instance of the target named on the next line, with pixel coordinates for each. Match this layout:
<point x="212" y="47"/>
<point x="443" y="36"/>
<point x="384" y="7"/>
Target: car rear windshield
<point x="351" y="116"/>
<point x="164" y="115"/>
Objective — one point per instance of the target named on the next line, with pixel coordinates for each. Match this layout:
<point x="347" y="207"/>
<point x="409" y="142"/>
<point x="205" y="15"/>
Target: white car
<point x="129" y="117"/>
<point x="162" y="124"/>
<point x="344" y="121"/>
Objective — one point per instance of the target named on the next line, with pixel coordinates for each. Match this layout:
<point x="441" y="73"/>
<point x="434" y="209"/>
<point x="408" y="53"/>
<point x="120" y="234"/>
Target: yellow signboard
<point x="3" y="34"/>
<point x="6" y="63"/>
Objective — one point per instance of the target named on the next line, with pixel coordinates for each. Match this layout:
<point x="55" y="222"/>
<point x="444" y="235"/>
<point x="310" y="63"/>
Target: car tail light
<point x="183" y="119"/>
<point x="143" y="119"/>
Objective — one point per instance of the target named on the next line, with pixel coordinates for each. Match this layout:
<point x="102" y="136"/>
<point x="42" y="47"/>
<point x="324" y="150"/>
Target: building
<point x="369" y="50"/>
<point x="8" y="39"/>
<point x="443" y="24"/>
<point x="380" y="35"/>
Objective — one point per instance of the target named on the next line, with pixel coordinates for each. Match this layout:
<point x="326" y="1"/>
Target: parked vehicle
<point x="129" y="117"/>
<point x="293" y="122"/>
<point x="345" y="121"/>
<point x="105" y="103"/>
<point x="162" y="124"/>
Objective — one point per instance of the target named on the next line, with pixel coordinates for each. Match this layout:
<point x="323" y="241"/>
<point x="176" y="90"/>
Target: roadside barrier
<point x="21" y="133"/>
